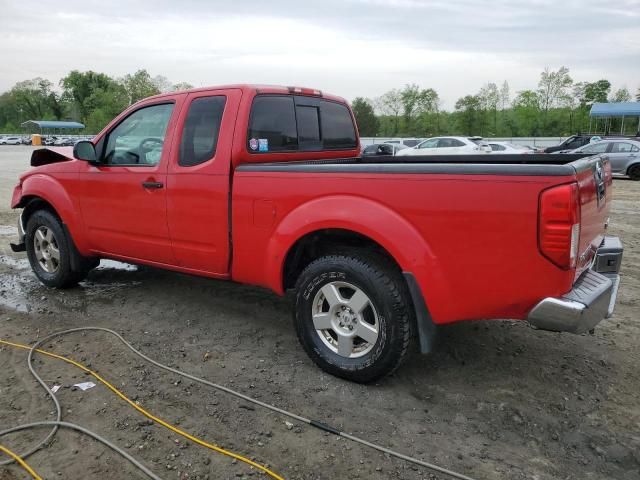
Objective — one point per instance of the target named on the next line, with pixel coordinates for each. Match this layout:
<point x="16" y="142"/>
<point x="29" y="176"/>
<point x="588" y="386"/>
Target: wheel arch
<point x="344" y="221"/>
<point x="632" y="166"/>
<point x="44" y="192"/>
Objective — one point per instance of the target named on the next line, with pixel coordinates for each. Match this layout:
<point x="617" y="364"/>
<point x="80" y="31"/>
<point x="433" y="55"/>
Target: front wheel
<point x="50" y="252"/>
<point x="353" y="316"/>
<point x="634" y="172"/>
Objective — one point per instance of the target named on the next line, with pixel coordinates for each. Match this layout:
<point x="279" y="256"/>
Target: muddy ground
<point x="497" y="400"/>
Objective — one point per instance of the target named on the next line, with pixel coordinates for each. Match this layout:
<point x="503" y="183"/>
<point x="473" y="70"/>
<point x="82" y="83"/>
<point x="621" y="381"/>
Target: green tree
<point x="181" y="86"/>
<point x="553" y="90"/>
<point x="138" y="86"/>
<point x="526" y="111"/>
<point x="366" y="119"/>
<point x="468" y="109"/>
<point x="415" y="103"/>
<point x="621" y="95"/>
<point x="79" y="88"/>
<point x="489" y="99"/>
<point x="36" y="100"/>
<point x="596" y="92"/>
<point x="390" y="103"/>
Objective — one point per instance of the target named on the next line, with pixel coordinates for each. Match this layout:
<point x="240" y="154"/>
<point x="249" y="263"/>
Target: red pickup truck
<point x="264" y="185"/>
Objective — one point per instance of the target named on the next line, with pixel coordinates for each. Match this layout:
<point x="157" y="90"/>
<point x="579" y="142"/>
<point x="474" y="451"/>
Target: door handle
<point x="151" y="185"/>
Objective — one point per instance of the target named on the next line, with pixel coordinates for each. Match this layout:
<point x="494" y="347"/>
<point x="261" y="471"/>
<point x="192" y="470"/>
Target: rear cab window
<point x="200" y="131"/>
<point x="292" y="123"/>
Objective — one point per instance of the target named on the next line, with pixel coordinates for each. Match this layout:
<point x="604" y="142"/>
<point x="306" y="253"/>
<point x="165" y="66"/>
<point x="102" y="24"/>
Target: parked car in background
<point x="448" y="146"/>
<point x="623" y="154"/>
<point x="382" y="149"/>
<point x="509" y="148"/>
<point x="10" y="141"/>
<point x="407" y="142"/>
<point x="580" y="140"/>
<point x="26" y="140"/>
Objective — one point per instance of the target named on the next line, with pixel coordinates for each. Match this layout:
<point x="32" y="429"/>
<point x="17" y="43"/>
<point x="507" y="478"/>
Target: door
<point x="123" y="199"/>
<point x="198" y="181"/>
<point x="622" y="155"/>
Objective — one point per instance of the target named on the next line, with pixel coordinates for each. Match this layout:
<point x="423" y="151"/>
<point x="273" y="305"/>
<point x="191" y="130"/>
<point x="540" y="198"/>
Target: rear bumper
<point x="592" y="298"/>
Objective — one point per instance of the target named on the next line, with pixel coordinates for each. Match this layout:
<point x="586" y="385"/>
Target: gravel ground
<point x="497" y="400"/>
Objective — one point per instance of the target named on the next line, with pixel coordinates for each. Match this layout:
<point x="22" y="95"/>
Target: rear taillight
<point x="559" y="225"/>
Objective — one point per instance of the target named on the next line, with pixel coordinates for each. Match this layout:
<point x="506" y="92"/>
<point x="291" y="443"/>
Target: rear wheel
<point x="50" y="251"/>
<point x="634" y="172"/>
<point x="352" y="316"/>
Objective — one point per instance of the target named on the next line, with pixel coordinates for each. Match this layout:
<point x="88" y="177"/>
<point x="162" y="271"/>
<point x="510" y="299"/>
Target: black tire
<point x="634" y="172"/>
<point x="63" y="276"/>
<point x="384" y="286"/>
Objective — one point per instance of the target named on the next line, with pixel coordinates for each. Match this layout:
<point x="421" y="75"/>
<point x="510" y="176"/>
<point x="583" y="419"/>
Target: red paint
<point x="472" y="241"/>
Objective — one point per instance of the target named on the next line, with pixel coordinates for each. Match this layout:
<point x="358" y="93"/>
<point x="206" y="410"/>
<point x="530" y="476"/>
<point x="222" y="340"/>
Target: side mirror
<point x="85" y="150"/>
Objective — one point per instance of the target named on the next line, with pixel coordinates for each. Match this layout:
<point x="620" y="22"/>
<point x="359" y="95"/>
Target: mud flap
<point x="427" y="330"/>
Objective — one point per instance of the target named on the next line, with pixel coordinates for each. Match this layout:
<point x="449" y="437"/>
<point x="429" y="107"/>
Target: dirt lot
<point x="498" y="400"/>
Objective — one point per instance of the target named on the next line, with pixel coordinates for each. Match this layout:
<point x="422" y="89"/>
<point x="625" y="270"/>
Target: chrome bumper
<point x="592" y="299"/>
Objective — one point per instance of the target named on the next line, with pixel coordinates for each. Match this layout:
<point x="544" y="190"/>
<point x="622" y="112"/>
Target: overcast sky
<point x="346" y="47"/>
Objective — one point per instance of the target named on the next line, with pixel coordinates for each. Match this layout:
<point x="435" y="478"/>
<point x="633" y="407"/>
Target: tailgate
<point x="594" y="178"/>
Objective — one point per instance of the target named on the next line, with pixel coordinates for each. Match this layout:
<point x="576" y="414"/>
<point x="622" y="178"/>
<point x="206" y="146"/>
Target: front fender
<point x="366" y="217"/>
<point x="54" y="193"/>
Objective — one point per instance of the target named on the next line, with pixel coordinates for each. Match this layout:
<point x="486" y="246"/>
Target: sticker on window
<point x="253" y="144"/>
<point x="263" y="144"/>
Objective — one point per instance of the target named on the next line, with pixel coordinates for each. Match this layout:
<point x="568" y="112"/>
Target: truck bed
<point x="466" y="225"/>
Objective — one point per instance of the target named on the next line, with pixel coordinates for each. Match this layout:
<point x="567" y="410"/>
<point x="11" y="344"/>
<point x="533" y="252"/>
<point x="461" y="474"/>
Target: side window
<point x="620" y="147"/>
<point x="634" y="148"/>
<point x="338" y="130"/>
<point x="200" y="131"/>
<point x="432" y="143"/>
<point x="599" y="147"/>
<point x="139" y="138"/>
<point x="497" y="148"/>
<point x="308" y="124"/>
<point x="370" y="150"/>
<point x="272" y="127"/>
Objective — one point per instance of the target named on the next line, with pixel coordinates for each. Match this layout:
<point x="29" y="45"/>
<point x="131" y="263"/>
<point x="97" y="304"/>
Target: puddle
<point x="14" y="295"/>
<point x="115" y="265"/>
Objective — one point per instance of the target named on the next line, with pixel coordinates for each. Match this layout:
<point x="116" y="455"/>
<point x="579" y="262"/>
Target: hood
<point x="45" y="156"/>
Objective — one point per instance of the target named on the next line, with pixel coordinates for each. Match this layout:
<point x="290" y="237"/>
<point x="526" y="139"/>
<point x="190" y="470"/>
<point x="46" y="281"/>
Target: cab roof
<point x="258" y="89"/>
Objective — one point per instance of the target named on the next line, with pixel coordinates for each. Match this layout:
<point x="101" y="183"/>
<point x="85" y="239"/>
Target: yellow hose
<point x="21" y="462"/>
<point x="147" y="414"/>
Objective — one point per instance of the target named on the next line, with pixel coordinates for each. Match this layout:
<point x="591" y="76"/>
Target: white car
<point x="407" y="142"/>
<point x="10" y="141"/>
<point x="448" y="146"/>
<point x="508" y="148"/>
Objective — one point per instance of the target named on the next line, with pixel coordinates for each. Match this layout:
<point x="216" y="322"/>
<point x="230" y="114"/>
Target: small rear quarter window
<point x="273" y="125"/>
<point x="337" y="126"/>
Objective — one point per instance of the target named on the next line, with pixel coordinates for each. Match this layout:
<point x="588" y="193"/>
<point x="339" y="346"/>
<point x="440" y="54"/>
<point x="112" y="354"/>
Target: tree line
<point x="557" y="107"/>
<point x="88" y="97"/>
